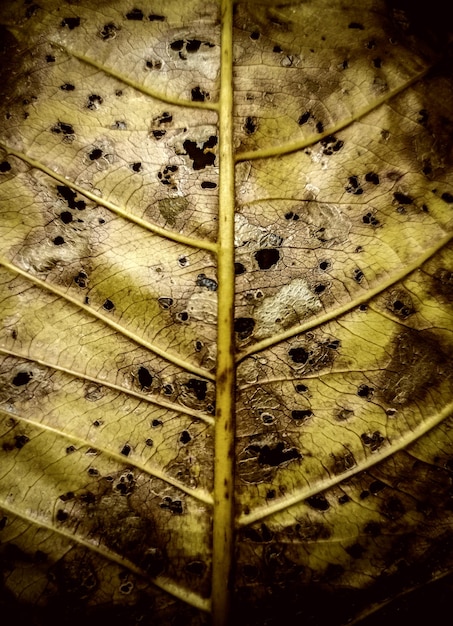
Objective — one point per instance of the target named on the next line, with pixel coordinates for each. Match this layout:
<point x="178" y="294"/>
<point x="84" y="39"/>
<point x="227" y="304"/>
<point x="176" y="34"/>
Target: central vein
<point x="223" y="522"/>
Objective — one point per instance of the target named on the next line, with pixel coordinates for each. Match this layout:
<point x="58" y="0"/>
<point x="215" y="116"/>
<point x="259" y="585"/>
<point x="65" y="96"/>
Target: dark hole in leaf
<point x="358" y="275"/>
<point x="70" y="22"/>
<point x="59" y="241"/>
<point x="158" y="134"/>
<point x="95" y="154"/>
<point x="298" y="355"/>
<point x="377" y="62"/>
<point x="319" y="288"/>
<point x="108" y="305"/>
<point x="66" y="217"/>
<point x="50" y="58"/>
<point x="199" y="387"/>
<point x="198" y="346"/>
<point x="93" y="471"/>
<point x="70" y="196"/>
<point x="5" y="166"/>
<point x="364" y="494"/>
<point x="208" y="283"/>
<point x="67" y="87"/>
<point x="149" y="443"/>
<point x="301" y="388"/>
<point x="318" y="502"/>
<point x="319" y="127"/>
<point x="183" y="316"/>
<point x="244" y="326"/>
<point x="144" y="378"/>
<point x="344" y="499"/>
<point x="239" y="268"/>
<point x="291" y="216"/>
<point x="206" y="184"/>
<point x="153" y="17"/>
<point x="185" y="437"/>
<point x="301" y="414"/>
<point x="156" y="423"/>
<point x="447" y="197"/>
<point x="135" y="14"/>
<point x="277" y="49"/>
<point x="70" y="449"/>
<point x="94" y="100"/>
<point x="22" y="378"/>
<point x="136" y="166"/>
<point x="255" y="35"/>
<point x="267" y="257"/>
<point x="334" y="344"/>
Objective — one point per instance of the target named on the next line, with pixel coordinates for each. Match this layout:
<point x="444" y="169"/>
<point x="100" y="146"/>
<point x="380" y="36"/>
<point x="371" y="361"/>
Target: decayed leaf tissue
<point x="226" y="312"/>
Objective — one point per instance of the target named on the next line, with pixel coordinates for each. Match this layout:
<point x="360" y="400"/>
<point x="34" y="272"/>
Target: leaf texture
<point x="226" y="312"/>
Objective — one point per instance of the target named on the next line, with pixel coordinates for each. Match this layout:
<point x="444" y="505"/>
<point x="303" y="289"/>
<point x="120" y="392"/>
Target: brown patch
<point x="417" y="363"/>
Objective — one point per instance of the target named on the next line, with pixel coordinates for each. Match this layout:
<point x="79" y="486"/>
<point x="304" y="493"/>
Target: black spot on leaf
<point x="208" y="283"/>
<point x="108" y="305"/>
<point x="301" y="415"/>
<point x="185" y="437"/>
<point x="298" y="355"/>
<point x="403" y="198"/>
<point x="377" y="62"/>
<point x="144" y="378"/>
<point x="244" y="326"/>
<point x="364" y="391"/>
<point x="250" y="125"/>
<point x="59" y="241"/>
<point x="373" y="441"/>
<point x="70" y="22"/>
<point x="239" y="268"/>
<point x="135" y="14"/>
<point x="369" y="218"/>
<point x="447" y="197"/>
<point x="5" y="166"/>
<point x="199" y="95"/>
<point x="353" y="186"/>
<point x="67" y="87"/>
<point x="94" y="100"/>
<point x="136" y="167"/>
<point x="126" y="449"/>
<point x="198" y="387"/>
<point x="63" y="128"/>
<point x="108" y="31"/>
<point x="22" y="378"/>
<point x="50" y="58"/>
<point x="81" y="279"/>
<point x="154" y="17"/>
<point x="201" y="156"/>
<point x="372" y="177"/>
<point x="267" y="258"/>
<point x="274" y="455"/>
<point x="165" y="303"/>
<point x="331" y="144"/>
<point x="158" y="134"/>
<point x="206" y="184"/>
<point x="319" y="127"/>
<point x="318" y="502"/>
<point x="61" y="516"/>
<point x="303" y="119"/>
<point x="358" y="275"/>
<point x="95" y="154"/>
<point x="174" y="506"/>
<point x="193" y="45"/>
<point x="301" y="388"/>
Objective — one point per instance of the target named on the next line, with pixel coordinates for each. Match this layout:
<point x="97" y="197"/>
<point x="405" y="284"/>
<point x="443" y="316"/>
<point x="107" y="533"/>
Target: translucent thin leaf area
<point x="226" y="287"/>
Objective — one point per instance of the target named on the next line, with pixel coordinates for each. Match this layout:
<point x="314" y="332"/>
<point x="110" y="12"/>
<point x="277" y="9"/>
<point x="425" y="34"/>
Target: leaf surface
<point x="226" y="287"/>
